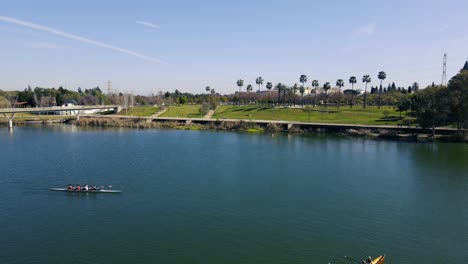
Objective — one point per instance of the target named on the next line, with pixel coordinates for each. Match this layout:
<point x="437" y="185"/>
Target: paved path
<point x="159" y="113"/>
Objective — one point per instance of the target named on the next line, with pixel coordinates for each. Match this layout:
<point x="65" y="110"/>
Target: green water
<point x="225" y="197"/>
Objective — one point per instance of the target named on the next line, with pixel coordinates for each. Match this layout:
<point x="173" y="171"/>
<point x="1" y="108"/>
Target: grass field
<point x="140" y="111"/>
<point x="344" y="115"/>
<point x="192" y="111"/>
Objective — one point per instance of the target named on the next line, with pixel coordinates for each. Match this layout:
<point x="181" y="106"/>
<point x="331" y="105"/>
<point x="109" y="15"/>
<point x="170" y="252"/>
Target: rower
<point x="86" y="188"/>
<point x="70" y="187"/>
<point x="369" y="260"/>
<point x="78" y="188"/>
<point x="94" y="188"/>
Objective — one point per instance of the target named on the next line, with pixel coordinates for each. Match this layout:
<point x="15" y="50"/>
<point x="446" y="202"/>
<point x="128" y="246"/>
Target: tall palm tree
<point x="295" y="88"/>
<point x="315" y="84"/>
<point x="240" y="83"/>
<point x="382" y="75"/>
<point x="249" y="89"/>
<point x="259" y="82"/>
<point x="302" y="90"/>
<point x="352" y="81"/>
<point x="213" y="91"/>
<point x="303" y="79"/>
<point x="207" y="89"/>
<point x="339" y="83"/>
<point x="279" y="87"/>
<point x="366" y="79"/>
<point x="326" y="87"/>
<point x="415" y="87"/>
<point x="269" y="85"/>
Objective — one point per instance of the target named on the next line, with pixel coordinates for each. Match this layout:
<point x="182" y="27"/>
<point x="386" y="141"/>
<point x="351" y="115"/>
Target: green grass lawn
<point x="140" y="111"/>
<point x="344" y="115"/>
<point x="192" y="111"/>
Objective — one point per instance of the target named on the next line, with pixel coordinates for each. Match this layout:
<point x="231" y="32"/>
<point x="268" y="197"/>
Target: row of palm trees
<point x="281" y="88"/>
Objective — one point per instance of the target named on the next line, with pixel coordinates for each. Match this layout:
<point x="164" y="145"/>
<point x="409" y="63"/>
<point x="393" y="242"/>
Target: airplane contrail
<point x="75" y="37"/>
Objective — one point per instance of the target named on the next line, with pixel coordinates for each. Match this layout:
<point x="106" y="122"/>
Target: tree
<point x="366" y="79"/>
<point x="295" y="88"/>
<point x="240" y="83"/>
<point x="326" y="87"/>
<point x="269" y="85"/>
<point x="339" y="83"/>
<point x="432" y="107"/>
<point x="207" y="89"/>
<point x="415" y="87"/>
<point x="315" y="84"/>
<point x="302" y="90"/>
<point x="352" y="81"/>
<point x="303" y="79"/>
<point x="382" y="75"/>
<point x="249" y="89"/>
<point x="213" y="91"/>
<point x="403" y="104"/>
<point x="259" y="82"/>
<point x="280" y="87"/>
<point x="458" y="96"/>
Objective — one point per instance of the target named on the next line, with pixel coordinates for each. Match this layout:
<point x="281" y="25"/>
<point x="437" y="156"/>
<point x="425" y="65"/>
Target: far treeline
<point x="432" y="107"/>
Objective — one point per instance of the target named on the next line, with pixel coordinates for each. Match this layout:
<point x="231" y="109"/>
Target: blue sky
<point x="150" y="46"/>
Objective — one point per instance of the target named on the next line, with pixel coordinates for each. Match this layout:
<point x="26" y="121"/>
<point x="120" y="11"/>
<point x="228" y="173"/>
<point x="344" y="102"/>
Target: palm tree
<point x="240" y="83"/>
<point x="303" y="79"/>
<point x="302" y="90"/>
<point x="326" y="87"/>
<point x="213" y="91"/>
<point x="339" y="83"/>
<point x="382" y="75"/>
<point x="249" y="89"/>
<point x="208" y="89"/>
<point x="279" y="87"/>
<point x="269" y="85"/>
<point x="259" y="82"/>
<point x="315" y="84"/>
<point x="366" y="79"/>
<point x="295" y="88"/>
<point x="352" y="81"/>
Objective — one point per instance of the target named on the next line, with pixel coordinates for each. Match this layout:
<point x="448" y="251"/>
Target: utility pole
<point x="444" y="70"/>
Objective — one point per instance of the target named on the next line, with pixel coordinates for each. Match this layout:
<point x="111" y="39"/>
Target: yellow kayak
<point x="379" y="260"/>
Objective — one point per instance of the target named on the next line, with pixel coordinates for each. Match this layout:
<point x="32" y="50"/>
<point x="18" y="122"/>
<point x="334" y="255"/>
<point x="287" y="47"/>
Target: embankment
<point x="269" y="126"/>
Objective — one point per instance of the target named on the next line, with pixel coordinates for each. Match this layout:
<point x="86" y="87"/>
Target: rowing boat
<point x="379" y="260"/>
<point x="84" y="191"/>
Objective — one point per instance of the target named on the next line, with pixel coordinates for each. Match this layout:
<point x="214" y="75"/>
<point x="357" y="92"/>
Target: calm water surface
<point x="216" y="197"/>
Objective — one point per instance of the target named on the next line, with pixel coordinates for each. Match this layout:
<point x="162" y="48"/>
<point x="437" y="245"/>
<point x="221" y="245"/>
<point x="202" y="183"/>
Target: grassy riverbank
<point x="140" y="111"/>
<point x="191" y="111"/>
<point x="332" y="115"/>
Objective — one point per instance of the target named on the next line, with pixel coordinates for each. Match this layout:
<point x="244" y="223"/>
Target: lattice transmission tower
<point x="444" y="70"/>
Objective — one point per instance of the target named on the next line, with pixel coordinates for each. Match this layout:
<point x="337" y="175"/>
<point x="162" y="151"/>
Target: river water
<point x="226" y="197"/>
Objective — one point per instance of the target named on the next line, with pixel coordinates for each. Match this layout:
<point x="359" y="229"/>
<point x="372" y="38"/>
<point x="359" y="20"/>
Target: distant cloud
<point x="364" y="31"/>
<point x="75" y="37"/>
<point x="47" y="45"/>
<point x="148" y="24"/>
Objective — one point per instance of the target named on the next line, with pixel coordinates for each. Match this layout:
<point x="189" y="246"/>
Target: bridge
<point x="10" y="113"/>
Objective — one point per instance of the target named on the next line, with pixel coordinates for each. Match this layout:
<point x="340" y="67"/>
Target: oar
<point x="346" y="257"/>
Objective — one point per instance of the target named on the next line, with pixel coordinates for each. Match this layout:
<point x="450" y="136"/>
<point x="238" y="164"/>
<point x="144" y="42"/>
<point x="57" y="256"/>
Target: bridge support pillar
<point x="290" y="126"/>
<point x="78" y="116"/>
<point x="10" y="120"/>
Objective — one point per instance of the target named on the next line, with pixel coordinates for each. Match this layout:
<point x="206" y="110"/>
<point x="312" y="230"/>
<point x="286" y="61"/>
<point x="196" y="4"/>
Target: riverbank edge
<point x="262" y="127"/>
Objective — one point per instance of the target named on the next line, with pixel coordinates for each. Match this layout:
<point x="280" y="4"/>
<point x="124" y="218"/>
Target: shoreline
<point x="261" y="127"/>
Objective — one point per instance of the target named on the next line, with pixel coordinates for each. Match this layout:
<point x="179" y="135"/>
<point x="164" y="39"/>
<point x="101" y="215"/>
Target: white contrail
<point x="74" y="37"/>
<point x="148" y="24"/>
